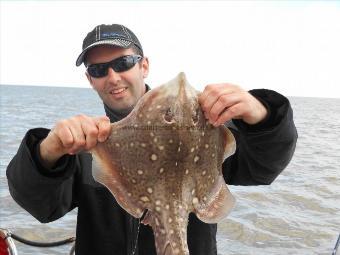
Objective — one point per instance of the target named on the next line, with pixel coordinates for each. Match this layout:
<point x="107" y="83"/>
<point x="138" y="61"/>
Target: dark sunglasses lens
<point x="123" y="64"/>
<point x="97" y="70"/>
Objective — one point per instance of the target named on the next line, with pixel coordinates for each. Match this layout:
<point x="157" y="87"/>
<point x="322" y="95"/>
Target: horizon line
<point x="88" y="87"/>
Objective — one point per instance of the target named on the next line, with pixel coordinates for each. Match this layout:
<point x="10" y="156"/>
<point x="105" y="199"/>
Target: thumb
<point x="104" y="127"/>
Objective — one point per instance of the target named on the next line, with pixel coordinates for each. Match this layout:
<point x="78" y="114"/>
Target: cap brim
<point x="114" y="42"/>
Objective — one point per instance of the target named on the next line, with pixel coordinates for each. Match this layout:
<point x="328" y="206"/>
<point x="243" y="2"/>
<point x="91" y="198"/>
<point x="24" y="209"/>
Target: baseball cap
<point x="115" y="34"/>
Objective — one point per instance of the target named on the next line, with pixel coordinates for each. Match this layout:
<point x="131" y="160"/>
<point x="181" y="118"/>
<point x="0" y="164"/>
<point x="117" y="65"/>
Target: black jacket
<point x="103" y="227"/>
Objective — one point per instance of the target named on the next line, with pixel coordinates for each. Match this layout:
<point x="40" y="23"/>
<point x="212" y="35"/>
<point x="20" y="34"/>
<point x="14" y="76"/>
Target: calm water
<point x="298" y="214"/>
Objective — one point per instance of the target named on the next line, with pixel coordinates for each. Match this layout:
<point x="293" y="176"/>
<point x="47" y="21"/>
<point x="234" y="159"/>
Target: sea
<point x="299" y="213"/>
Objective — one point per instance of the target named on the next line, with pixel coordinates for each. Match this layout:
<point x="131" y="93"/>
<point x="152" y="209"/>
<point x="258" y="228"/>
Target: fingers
<point x="63" y="134"/>
<point x="213" y="92"/>
<point x="78" y="135"/>
<point x="223" y="102"/>
<point x="81" y="132"/>
<point x="89" y="132"/>
<point x="216" y="98"/>
<point x="104" y="128"/>
<point x="233" y="112"/>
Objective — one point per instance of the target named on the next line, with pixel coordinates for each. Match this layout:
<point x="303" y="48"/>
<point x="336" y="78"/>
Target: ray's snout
<point x="184" y="101"/>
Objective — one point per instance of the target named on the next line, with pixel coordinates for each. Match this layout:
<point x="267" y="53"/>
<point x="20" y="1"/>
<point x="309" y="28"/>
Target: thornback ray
<point x="165" y="157"/>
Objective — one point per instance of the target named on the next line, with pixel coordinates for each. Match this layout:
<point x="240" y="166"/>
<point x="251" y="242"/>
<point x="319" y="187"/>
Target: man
<point x="51" y="172"/>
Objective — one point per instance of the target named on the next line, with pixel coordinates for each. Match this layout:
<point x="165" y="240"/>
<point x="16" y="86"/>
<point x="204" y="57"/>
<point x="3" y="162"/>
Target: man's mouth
<point x="118" y="91"/>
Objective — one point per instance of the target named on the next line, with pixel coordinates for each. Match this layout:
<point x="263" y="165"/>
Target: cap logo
<point x="111" y="34"/>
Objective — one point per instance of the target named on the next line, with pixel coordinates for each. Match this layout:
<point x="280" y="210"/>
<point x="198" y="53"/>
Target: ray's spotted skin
<point x="165" y="157"/>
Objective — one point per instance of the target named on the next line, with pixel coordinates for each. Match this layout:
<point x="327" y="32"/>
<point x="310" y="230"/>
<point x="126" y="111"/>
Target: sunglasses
<point x="119" y="65"/>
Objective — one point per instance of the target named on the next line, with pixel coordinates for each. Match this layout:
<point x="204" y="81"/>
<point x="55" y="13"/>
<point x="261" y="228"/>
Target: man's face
<point x="118" y="90"/>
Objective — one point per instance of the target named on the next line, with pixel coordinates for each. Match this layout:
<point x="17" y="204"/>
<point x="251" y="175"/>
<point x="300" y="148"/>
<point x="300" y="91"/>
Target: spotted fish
<point x="166" y="158"/>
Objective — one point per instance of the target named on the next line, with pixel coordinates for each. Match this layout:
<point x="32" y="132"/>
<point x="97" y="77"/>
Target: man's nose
<point x="113" y="76"/>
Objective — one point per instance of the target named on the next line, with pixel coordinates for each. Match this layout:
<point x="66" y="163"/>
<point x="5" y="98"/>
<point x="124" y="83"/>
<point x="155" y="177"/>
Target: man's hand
<point x="225" y="101"/>
<point x="70" y="136"/>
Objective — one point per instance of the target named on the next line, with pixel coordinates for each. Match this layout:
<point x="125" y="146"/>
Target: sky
<point x="292" y="47"/>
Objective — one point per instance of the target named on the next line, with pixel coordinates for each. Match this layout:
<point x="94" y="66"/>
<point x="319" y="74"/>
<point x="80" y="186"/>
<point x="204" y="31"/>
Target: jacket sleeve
<point x="265" y="149"/>
<point x="47" y="194"/>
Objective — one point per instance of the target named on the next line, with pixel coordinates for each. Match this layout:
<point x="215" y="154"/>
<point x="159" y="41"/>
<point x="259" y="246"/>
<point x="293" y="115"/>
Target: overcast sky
<point x="292" y="47"/>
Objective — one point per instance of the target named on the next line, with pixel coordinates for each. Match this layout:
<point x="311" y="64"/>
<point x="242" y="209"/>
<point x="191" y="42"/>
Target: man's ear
<point x="89" y="78"/>
<point x="145" y="67"/>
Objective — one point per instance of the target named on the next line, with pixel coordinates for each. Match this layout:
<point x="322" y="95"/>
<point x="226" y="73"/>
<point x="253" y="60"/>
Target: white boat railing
<point x="7" y="245"/>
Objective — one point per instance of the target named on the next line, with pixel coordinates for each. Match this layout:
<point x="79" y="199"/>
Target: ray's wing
<point x="218" y="205"/>
<point x="107" y="169"/>
<point x="219" y="201"/>
<point x="229" y="142"/>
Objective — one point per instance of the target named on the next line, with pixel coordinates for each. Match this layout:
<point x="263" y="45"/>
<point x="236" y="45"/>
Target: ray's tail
<point x="170" y="231"/>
